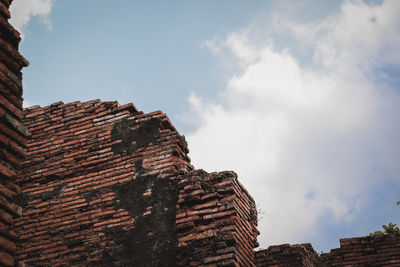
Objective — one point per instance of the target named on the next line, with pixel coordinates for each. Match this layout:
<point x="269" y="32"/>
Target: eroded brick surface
<point x="216" y="220"/>
<point x="380" y="250"/>
<point x="12" y="133"/>
<point x="107" y="185"/>
<point x="287" y="255"/>
<point x="99" y="186"/>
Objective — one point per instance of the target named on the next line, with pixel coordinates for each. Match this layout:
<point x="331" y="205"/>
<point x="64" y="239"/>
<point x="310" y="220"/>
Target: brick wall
<point x="216" y="220"/>
<point x="380" y="250"/>
<point x="287" y="255"/>
<point x="12" y="132"/>
<point x="105" y="184"/>
<point x="98" y="186"/>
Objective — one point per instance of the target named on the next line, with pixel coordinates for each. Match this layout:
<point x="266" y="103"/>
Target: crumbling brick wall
<point x="216" y="220"/>
<point x="98" y="186"/>
<point x="12" y="132"/>
<point x="287" y="255"/>
<point x="379" y="250"/>
<point x="107" y="185"/>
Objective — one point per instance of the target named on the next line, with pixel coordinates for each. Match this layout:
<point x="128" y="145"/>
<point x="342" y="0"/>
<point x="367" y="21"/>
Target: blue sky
<point x="300" y="98"/>
<point x="150" y="54"/>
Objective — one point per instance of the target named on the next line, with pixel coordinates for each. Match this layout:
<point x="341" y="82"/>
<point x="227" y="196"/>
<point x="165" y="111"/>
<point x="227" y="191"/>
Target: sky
<point x="300" y="98"/>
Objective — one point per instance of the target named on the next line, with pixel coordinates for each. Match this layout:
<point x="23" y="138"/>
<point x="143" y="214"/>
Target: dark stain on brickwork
<point x="50" y="178"/>
<point x="151" y="201"/>
<point x="51" y="194"/>
<point x="24" y="198"/>
<point x="139" y="167"/>
<point x="132" y="138"/>
<point x="74" y="243"/>
<point x="91" y="195"/>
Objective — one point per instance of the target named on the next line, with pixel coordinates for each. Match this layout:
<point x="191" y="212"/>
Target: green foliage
<point x="391" y="228"/>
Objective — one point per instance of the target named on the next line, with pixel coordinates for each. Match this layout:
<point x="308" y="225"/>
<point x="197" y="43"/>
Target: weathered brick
<point x="6" y="259"/>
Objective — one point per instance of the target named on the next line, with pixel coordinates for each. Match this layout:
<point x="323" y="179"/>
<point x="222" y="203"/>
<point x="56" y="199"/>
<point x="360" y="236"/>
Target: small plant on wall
<point x="391" y="228"/>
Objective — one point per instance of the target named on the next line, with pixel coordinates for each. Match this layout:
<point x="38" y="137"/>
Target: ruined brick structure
<point x="12" y="133"/>
<point x="106" y="184"/>
<point x="100" y="184"/>
<point x="288" y="255"/>
<point x="380" y="250"/>
<point x="216" y="220"/>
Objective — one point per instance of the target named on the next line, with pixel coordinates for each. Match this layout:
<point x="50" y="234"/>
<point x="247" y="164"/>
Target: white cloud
<point x="26" y="104"/>
<point x="360" y="35"/>
<point x="306" y="141"/>
<point x="23" y="10"/>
